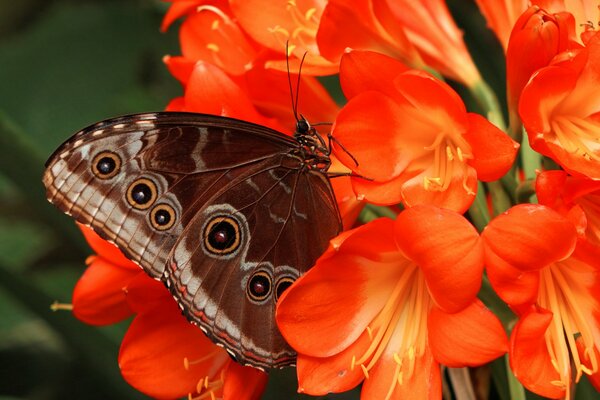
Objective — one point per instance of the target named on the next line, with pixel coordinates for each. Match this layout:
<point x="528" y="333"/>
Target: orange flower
<point x="562" y="192"/>
<point x="537" y="37"/>
<point x="213" y="38"/>
<point x="559" y="108"/>
<point x="388" y="303"/>
<point x="413" y="137"/>
<point x="162" y="354"/>
<point x="412" y="31"/>
<point x="550" y="277"/>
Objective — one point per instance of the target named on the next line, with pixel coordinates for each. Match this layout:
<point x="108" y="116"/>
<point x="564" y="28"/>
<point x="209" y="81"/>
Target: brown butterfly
<point x="227" y="213"/>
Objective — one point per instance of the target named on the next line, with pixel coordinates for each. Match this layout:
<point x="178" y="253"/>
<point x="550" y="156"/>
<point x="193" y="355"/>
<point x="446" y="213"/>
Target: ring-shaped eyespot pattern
<point x="281" y="285"/>
<point x="222" y="235"/>
<point x="106" y="165"/>
<point x="142" y="193"/>
<point x="259" y="287"/>
<point x="162" y="217"/>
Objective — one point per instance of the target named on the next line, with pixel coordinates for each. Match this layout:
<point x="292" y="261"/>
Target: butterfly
<point x="227" y="213"/>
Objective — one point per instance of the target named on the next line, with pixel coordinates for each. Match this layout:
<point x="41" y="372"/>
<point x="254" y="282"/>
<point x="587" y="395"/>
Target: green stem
<point x="478" y="212"/>
<point x="501" y="201"/>
<point x="531" y="160"/>
<point x="517" y="392"/>
<point x="489" y="103"/>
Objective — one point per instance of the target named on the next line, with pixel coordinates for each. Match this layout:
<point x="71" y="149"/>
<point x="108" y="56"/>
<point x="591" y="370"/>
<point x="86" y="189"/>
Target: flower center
<point x="564" y="291"/>
<point x="208" y="386"/>
<point x="578" y="136"/>
<point x="400" y="328"/>
<point x="450" y="155"/>
<point x="304" y="32"/>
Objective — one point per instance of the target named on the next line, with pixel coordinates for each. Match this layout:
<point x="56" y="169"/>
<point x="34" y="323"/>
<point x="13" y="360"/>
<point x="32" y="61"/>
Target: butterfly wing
<point x="182" y="190"/>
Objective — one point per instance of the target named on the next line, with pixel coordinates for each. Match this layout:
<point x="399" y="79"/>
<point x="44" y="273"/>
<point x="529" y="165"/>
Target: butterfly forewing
<point x="224" y="211"/>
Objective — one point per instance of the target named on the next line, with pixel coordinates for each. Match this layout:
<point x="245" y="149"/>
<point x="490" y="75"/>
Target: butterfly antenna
<point x="298" y="82"/>
<point x="287" y="62"/>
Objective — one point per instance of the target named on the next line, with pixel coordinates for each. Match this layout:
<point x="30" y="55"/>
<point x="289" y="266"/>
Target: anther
<point x="459" y="153"/>
<point x="353" y="363"/>
<point x="397" y="359"/>
<point x="309" y="13"/>
<point x="449" y="154"/>
<point x="212" y="47"/>
<point x="370" y="332"/>
<point x="61" y="306"/>
<point x="215" y="25"/>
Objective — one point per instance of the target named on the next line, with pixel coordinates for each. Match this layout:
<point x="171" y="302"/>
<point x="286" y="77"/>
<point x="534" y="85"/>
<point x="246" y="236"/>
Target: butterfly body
<point x="227" y="213"/>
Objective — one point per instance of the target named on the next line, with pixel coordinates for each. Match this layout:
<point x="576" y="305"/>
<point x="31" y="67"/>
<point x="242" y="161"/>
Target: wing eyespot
<point x="162" y="217"/>
<point x="106" y="165"/>
<point x="222" y="235"/>
<point x="142" y="193"/>
<point x="259" y="287"/>
<point x="281" y="286"/>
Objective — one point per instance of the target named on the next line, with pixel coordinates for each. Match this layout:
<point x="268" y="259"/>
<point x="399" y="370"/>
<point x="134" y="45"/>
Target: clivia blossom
<point x="161" y="355"/>
<point x="542" y="264"/>
<point x="415" y="140"/>
<point x="559" y="108"/>
<point x="387" y="304"/>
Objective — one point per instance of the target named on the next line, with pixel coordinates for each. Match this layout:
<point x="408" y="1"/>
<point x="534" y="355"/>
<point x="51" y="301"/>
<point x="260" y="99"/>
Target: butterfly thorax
<point x="312" y="149"/>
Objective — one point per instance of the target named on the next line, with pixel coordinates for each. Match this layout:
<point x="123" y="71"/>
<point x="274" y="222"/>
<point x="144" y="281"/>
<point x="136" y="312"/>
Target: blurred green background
<point x="65" y="64"/>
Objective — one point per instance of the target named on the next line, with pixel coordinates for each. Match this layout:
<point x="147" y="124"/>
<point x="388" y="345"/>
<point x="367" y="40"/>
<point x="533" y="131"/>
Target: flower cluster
<point x="393" y="300"/>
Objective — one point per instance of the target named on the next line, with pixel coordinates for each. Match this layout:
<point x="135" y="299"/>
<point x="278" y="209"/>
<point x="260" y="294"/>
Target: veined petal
<point x="210" y="90"/>
<point x="457" y="195"/>
<point x="211" y="35"/>
<point x="367" y="33"/>
<point x="529" y="357"/>
<point x="513" y="285"/>
<point x="380" y="193"/>
<point x="99" y="295"/>
<point x="493" y="150"/>
<point x="243" y="383"/>
<point x="530" y="236"/>
<point x="361" y="71"/>
<point x="325" y="311"/>
<point x="155" y="349"/>
<point x="372" y="127"/>
<point x="318" y="376"/>
<point x="106" y="250"/>
<point x="422" y="381"/>
<point x="448" y="250"/>
<point x="471" y="337"/>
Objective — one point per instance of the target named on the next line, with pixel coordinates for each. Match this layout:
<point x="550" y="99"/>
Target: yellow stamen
<point x="61" y="306"/>
<point x="212" y="47"/>
<point x="365" y="371"/>
<point x="215" y="25"/>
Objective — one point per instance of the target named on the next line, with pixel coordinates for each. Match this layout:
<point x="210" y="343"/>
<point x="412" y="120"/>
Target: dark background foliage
<point x="65" y="64"/>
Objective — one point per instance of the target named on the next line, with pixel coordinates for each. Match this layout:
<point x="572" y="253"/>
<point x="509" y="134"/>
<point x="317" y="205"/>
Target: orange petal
<point x="380" y="193"/>
<point x="212" y="91"/>
<point x="211" y="35"/>
<point x="493" y="150"/>
<point x="448" y="250"/>
<point x="180" y="67"/>
<point x="244" y="383"/>
<point x="458" y="196"/>
<point x="335" y="374"/>
<point x="357" y="72"/>
<point x="154" y="349"/>
<point x="325" y="311"/>
<point x="106" y="250"/>
<point x="99" y="296"/>
<point x="529" y="237"/>
<point x="367" y="33"/>
<point x="144" y="293"/>
<point x="471" y="337"/>
<point x="177" y="10"/>
<point x="423" y="383"/>
<point x="379" y="133"/>
<point x="314" y="102"/>
<point x="440" y="103"/>
<point x="513" y="285"/>
<point x="529" y="357"/>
